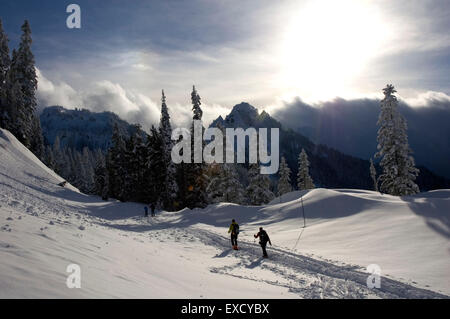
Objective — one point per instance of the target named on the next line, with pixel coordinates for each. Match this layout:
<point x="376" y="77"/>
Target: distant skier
<point x="145" y="211"/>
<point x="234" y="230"/>
<point x="62" y="184"/>
<point x="152" y="207"/>
<point x="263" y="239"/>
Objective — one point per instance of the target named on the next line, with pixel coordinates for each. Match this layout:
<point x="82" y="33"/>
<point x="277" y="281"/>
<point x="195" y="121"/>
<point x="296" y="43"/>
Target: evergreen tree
<point x="170" y="187"/>
<point x="284" y="183"/>
<point x="196" y="178"/>
<point x="304" y="181"/>
<point x="5" y="63"/>
<point x="49" y="158"/>
<point x="36" y="138"/>
<point x="258" y="190"/>
<point x="141" y="154"/>
<point x="196" y="102"/>
<point x="23" y="72"/>
<point x="157" y="167"/>
<point x="399" y="171"/>
<point x="101" y="178"/>
<point x="88" y="171"/>
<point x="116" y="164"/>
<point x="224" y="185"/>
<point x="58" y="157"/>
<point x="373" y="175"/>
<point x="15" y="117"/>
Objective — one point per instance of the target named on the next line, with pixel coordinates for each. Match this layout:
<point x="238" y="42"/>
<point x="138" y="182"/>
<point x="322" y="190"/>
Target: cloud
<point x="350" y="126"/>
<point x="50" y="93"/>
<point x="131" y="105"/>
<point x="428" y="99"/>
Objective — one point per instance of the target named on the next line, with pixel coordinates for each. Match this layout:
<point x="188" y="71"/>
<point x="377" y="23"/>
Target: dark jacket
<point x="263" y="237"/>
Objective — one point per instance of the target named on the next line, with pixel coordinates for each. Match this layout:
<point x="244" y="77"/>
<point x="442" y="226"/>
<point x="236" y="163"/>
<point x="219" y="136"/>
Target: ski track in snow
<point x="308" y="277"/>
<point x="302" y="275"/>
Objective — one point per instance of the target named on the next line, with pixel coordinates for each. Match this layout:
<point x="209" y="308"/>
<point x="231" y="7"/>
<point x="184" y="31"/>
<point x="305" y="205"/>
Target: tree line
<point x="139" y="168"/>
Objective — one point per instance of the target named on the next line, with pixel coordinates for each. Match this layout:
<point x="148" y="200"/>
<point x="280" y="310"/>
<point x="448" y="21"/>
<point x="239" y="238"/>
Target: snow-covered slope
<point x="186" y="254"/>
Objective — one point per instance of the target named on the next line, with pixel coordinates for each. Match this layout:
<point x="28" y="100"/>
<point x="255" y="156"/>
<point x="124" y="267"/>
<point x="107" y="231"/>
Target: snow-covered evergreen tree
<point x="58" y="157"/>
<point x="284" y="183"/>
<point x="141" y="155"/>
<point x="399" y="171"/>
<point x="304" y="180"/>
<point x="36" y="138"/>
<point x="196" y="178"/>
<point x="196" y="102"/>
<point x="373" y="175"/>
<point x="157" y="165"/>
<point x="5" y="63"/>
<point x="116" y="165"/>
<point x="258" y="190"/>
<point x="101" y="178"/>
<point x="88" y="170"/>
<point x="15" y="117"/>
<point x="170" y="187"/>
<point x="23" y="72"/>
<point x="224" y="185"/>
<point x="49" y="159"/>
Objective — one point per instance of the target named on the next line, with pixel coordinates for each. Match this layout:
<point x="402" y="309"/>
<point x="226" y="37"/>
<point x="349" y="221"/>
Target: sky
<point x="267" y="53"/>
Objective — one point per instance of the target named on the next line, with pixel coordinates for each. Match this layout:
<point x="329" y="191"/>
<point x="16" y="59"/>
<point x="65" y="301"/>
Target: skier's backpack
<point x="263" y="237"/>
<point x="236" y="229"/>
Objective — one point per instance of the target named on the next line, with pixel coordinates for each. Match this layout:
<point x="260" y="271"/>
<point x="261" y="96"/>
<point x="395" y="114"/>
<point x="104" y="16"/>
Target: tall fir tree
<point x="224" y="185"/>
<point x="116" y="165"/>
<point x="157" y="165"/>
<point x="23" y="72"/>
<point x="197" y="180"/>
<point x="304" y="180"/>
<point x="373" y="175"/>
<point x="5" y="64"/>
<point x="101" y="178"/>
<point x="141" y="155"/>
<point x="399" y="171"/>
<point x="15" y="116"/>
<point x="170" y="187"/>
<point x="36" y="138"/>
<point x="58" y="156"/>
<point x="258" y="190"/>
<point x="284" y="183"/>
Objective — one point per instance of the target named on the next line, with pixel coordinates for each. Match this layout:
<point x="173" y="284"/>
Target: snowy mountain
<point x="80" y="127"/>
<point x="44" y="228"/>
<point x="329" y="167"/>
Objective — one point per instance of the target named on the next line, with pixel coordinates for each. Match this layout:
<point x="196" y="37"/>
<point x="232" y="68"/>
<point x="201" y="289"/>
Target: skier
<point x="152" y="207"/>
<point x="263" y="239"/>
<point x="145" y="211"/>
<point x="234" y="230"/>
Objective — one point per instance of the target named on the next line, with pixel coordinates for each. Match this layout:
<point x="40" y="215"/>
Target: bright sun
<point x="326" y="45"/>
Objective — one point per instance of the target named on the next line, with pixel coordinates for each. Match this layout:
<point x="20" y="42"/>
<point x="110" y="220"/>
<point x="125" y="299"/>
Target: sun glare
<point x="326" y="45"/>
